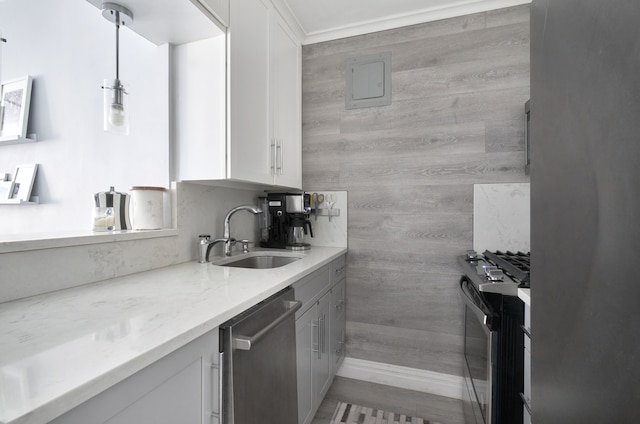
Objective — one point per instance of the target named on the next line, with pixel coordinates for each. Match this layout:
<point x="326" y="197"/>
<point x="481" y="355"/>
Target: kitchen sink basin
<point x="258" y="262"/>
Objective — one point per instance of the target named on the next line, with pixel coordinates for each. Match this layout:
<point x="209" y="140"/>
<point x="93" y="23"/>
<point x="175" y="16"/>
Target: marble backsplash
<point x="196" y="209"/>
<point x="501" y="217"/>
<point x="330" y="233"/>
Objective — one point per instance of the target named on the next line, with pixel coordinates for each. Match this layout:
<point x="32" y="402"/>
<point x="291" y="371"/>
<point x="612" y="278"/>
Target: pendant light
<point x="116" y="118"/>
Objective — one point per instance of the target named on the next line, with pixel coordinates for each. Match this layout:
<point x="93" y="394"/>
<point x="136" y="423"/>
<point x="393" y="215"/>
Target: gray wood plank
<point x="459" y="87"/>
<point x="429" y="350"/>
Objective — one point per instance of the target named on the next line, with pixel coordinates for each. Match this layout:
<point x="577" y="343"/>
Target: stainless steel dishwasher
<point x="259" y="363"/>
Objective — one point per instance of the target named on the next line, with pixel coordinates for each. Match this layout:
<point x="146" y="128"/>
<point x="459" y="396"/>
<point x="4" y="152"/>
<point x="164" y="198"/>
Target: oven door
<point x="480" y="346"/>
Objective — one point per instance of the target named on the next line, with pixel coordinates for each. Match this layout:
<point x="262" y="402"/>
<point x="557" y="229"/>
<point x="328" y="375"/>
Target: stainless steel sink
<point x="258" y="262"/>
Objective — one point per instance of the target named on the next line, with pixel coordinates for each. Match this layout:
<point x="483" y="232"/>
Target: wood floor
<point x="434" y="408"/>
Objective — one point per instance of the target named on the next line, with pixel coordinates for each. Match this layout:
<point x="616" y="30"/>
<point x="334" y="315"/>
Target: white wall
<point x="69" y="48"/>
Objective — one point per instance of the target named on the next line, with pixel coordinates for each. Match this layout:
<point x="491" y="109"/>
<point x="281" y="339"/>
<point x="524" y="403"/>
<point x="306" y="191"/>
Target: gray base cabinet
<point x="320" y="330"/>
<point x="338" y="325"/>
<point x="182" y="387"/>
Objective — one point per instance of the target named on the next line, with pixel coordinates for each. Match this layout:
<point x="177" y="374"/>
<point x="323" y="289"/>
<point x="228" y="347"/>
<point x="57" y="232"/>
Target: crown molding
<point x="461" y="8"/>
<point x="285" y="11"/>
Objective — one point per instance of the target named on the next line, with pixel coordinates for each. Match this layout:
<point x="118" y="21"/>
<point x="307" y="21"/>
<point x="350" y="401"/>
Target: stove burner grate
<point x="514" y="264"/>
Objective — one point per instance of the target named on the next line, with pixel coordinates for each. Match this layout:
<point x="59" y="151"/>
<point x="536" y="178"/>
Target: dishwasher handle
<point x="245" y="342"/>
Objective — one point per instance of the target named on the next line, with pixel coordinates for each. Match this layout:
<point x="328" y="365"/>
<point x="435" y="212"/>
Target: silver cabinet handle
<point x="219" y="369"/>
<point x="273" y="155"/>
<point x="280" y="155"/>
<point x="316" y="325"/>
<point x="324" y="332"/>
<point x="321" y="337"/>
<point x="245" y="342"/>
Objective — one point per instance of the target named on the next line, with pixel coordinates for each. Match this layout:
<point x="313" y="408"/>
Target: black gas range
<point x="497" y="272"/>
<point x="493" y="338"/>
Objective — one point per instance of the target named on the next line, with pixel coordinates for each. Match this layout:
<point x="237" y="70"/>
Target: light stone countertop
<point x="60" y="349"/>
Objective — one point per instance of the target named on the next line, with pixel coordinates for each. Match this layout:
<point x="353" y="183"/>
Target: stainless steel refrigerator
<point x="585" y="204"/>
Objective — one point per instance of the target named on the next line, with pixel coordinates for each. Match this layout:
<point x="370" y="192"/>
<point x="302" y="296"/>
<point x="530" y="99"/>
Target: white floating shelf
<point x="17" y="139"/>
<point x="35" y="200"/>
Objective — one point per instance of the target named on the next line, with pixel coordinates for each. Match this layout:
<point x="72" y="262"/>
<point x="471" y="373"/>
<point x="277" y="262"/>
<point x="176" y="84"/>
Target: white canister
<point x="148" y="207"/>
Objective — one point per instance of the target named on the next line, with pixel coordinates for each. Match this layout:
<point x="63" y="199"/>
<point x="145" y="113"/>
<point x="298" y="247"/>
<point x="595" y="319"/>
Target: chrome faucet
<point x="206" y="243"/>
<point x="227" y="230"/>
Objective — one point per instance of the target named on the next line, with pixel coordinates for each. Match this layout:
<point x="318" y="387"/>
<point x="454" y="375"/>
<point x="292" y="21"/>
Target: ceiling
<point x="178" y="21"/>
<point x="322" y="20"/>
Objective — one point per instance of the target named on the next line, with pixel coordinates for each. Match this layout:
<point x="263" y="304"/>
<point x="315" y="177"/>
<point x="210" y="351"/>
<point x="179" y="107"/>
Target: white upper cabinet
<point x="248" y="75"/>
<point x="286" y="119"/>
<point x="265" y="135"/>
<point x="263" y="141"/>
<point x="199" y="108"/>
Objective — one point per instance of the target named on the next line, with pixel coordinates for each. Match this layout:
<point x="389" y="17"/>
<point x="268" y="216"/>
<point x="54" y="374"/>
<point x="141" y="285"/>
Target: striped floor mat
<point x="348" y="413"/>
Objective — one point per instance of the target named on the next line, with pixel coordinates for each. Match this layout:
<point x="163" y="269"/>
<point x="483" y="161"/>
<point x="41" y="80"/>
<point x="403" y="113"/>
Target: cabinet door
<point x="200" y="101"/>
<point x="338" y="324"/>
<point x="306" y="350"/>
<point x="179" y="388"/>
<point x="285" y="54"/>
<point x="322" y="362"/>
<point x="248" y="141"/>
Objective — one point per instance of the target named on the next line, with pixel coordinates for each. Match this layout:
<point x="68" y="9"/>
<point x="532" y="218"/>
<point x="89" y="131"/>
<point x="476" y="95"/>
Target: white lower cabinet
<point x="320" y="329"/>
<point x="183" y="387"/>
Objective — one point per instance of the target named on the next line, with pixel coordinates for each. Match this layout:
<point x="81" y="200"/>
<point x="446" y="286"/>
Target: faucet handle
<point x="245" y="246"/>
<point x="204" y="245"/>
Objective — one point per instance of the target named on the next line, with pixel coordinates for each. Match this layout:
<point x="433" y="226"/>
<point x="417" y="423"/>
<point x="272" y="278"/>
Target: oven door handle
<point x="486" y="318"/>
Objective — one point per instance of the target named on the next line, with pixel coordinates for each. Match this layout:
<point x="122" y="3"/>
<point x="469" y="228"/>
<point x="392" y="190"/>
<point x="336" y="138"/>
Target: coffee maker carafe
<point x="287" y="221"/>
<point x="298" y="224"/>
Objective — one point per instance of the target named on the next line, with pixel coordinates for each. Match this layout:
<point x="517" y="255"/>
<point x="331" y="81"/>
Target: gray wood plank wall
<point x="456" y="119"/>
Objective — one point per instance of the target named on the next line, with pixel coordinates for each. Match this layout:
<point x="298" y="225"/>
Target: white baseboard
<point x="406" y="378"/>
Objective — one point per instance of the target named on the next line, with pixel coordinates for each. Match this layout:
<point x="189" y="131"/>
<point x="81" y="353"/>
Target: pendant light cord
<point x="118" y="46"/>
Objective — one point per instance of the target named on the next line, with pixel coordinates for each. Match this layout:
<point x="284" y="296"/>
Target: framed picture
<point x="23" y="182"/>
<point x="14" y="107"/>
<point x="5" y="189"/>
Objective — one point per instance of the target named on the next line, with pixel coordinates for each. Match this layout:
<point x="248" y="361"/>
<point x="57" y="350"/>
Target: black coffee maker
<point x="286" y="223"/>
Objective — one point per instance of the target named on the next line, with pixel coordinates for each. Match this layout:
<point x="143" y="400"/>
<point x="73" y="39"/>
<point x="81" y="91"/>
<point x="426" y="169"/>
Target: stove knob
<point x="494" y="273"/>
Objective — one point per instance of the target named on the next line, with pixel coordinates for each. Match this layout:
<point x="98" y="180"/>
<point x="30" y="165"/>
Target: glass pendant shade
<point x="116" y="119"/>
<point x="115" y="108"/>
